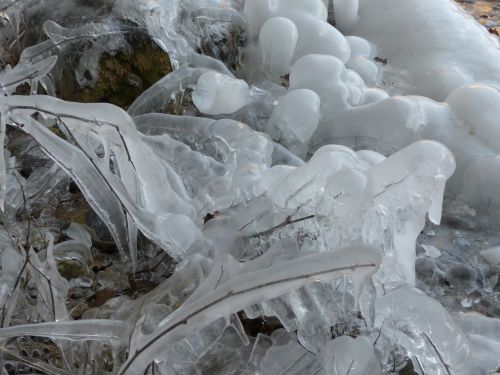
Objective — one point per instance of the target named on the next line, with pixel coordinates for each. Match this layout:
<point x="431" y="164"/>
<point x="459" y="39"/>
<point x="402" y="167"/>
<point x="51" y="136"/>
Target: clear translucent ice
<point x="300" y="189"/>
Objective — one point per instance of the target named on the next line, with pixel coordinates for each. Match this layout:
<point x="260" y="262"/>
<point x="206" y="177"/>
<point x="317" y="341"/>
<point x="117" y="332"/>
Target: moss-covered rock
<point x="122" y="76"/>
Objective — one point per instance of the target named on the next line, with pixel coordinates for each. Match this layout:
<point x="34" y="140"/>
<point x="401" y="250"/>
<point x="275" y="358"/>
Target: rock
<point x="122" y="76"/>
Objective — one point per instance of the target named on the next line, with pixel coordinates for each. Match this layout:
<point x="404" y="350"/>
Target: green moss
<point x="72" y="268"/>
<point x="122" y="76"/>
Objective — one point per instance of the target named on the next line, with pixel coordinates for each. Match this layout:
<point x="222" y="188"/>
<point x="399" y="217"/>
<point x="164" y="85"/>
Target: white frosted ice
<point x="297" y="116"/>
<point x="346" y="14"/>
<point x="217" y="93"/>
<point x="441" y="57"/>
<point x="319" y="143"/>
<point x="478" y="108"/>
<point x="277" y="41"/>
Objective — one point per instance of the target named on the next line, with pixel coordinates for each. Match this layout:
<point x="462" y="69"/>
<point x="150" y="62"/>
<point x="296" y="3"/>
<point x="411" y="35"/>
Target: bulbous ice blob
<point x="355" y="85"/>
<point x="323" y="75"/>
<point x="304" y="185"/>
<point x="315" y="69"/>
<point x="297" y="115"/>
<point x="258" y="12"/>
<point x="366" y="68"/>
<point x="397" y="118"/>
<point x="371" y="157"/>
<point x="217" y="94"/>
<point x="478" y="106"/>
<point x="319" y="37"/>
<point x="343" y="192"/>
<point x="427" y="158"/>
<point x="373" y="95"/>
<point x="359" y="46"/>
<point x="346" y="14"/>
<point x="277" y="40"/>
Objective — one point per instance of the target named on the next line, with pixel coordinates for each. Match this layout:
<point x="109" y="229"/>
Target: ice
<point x="259" y="11"/>
<point x="277" y="41"/>
<point x="25" y="73"/>
<point x="432" y="251"/>
<point x="492" y="255"/>
<point x="73" y="330"/>
<point x="440" y="347"/>
<point x="217" y="93"/>
<point x="326" y="76"/>
<point x="441" y="58"/>
<point x="55" y="293"/>
<point x="360" y="47"/>
<point x="296" y="117"/>
<point x="482" y="332"/>
<point x="282" y="355"/>
<point x="251" y="287"/>
<point x="346" y="355"/>
<point x="78" y="233"/>
<point x="156" y="97"/>
<point x="272" y="204"/>
<point x="319" y="37"/>
<point x="478" y="108"/>
<point x="346" y="14"/>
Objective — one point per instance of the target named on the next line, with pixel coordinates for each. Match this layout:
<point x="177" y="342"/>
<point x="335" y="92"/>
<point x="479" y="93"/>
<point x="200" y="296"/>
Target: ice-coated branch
<point x="79" y="330"/>
<point x="250" y="288"/>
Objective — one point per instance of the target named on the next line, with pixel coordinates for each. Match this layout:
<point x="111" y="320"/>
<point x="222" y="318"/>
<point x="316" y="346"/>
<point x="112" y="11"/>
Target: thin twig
<point x="49" y="282"/>
<point x="220" y="277"/>
<point x="133" y="357"/>
<point x="155" y="266"/>
<point x="38" y="365"/>
<point x="419" y="364"/>
<point x="350" y="367"/>
<point x="379" y="333"/>
<point x="284" y="223"/>
<point x="28" y="213"/>
<point x="446" y="366"/>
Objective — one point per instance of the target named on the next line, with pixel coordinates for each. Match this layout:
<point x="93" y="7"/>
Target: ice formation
<point x="271" y="206"/>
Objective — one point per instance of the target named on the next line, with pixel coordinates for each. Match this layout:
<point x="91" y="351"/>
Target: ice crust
<point x="294" y="187"/>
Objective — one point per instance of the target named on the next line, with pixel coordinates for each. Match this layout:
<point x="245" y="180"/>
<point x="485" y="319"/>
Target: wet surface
<point x="486" y="12"/>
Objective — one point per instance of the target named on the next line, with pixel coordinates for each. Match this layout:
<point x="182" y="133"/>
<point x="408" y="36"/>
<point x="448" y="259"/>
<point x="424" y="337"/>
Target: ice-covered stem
<point x="250" y="288"/>
<point x="79" y="330"/>
<point x="90" y="181"/>
<point x="60" y="36"/>
<point x="140" y="185"/>
<point x="3" y="174"/>
<point x="10" y="79"/>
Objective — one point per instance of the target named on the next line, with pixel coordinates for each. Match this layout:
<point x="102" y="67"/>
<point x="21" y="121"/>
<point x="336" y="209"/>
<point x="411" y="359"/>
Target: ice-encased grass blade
<point x="249" y="288"/>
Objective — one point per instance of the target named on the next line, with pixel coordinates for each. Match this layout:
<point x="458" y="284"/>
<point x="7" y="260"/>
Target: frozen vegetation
<point x="309" y="187"/>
